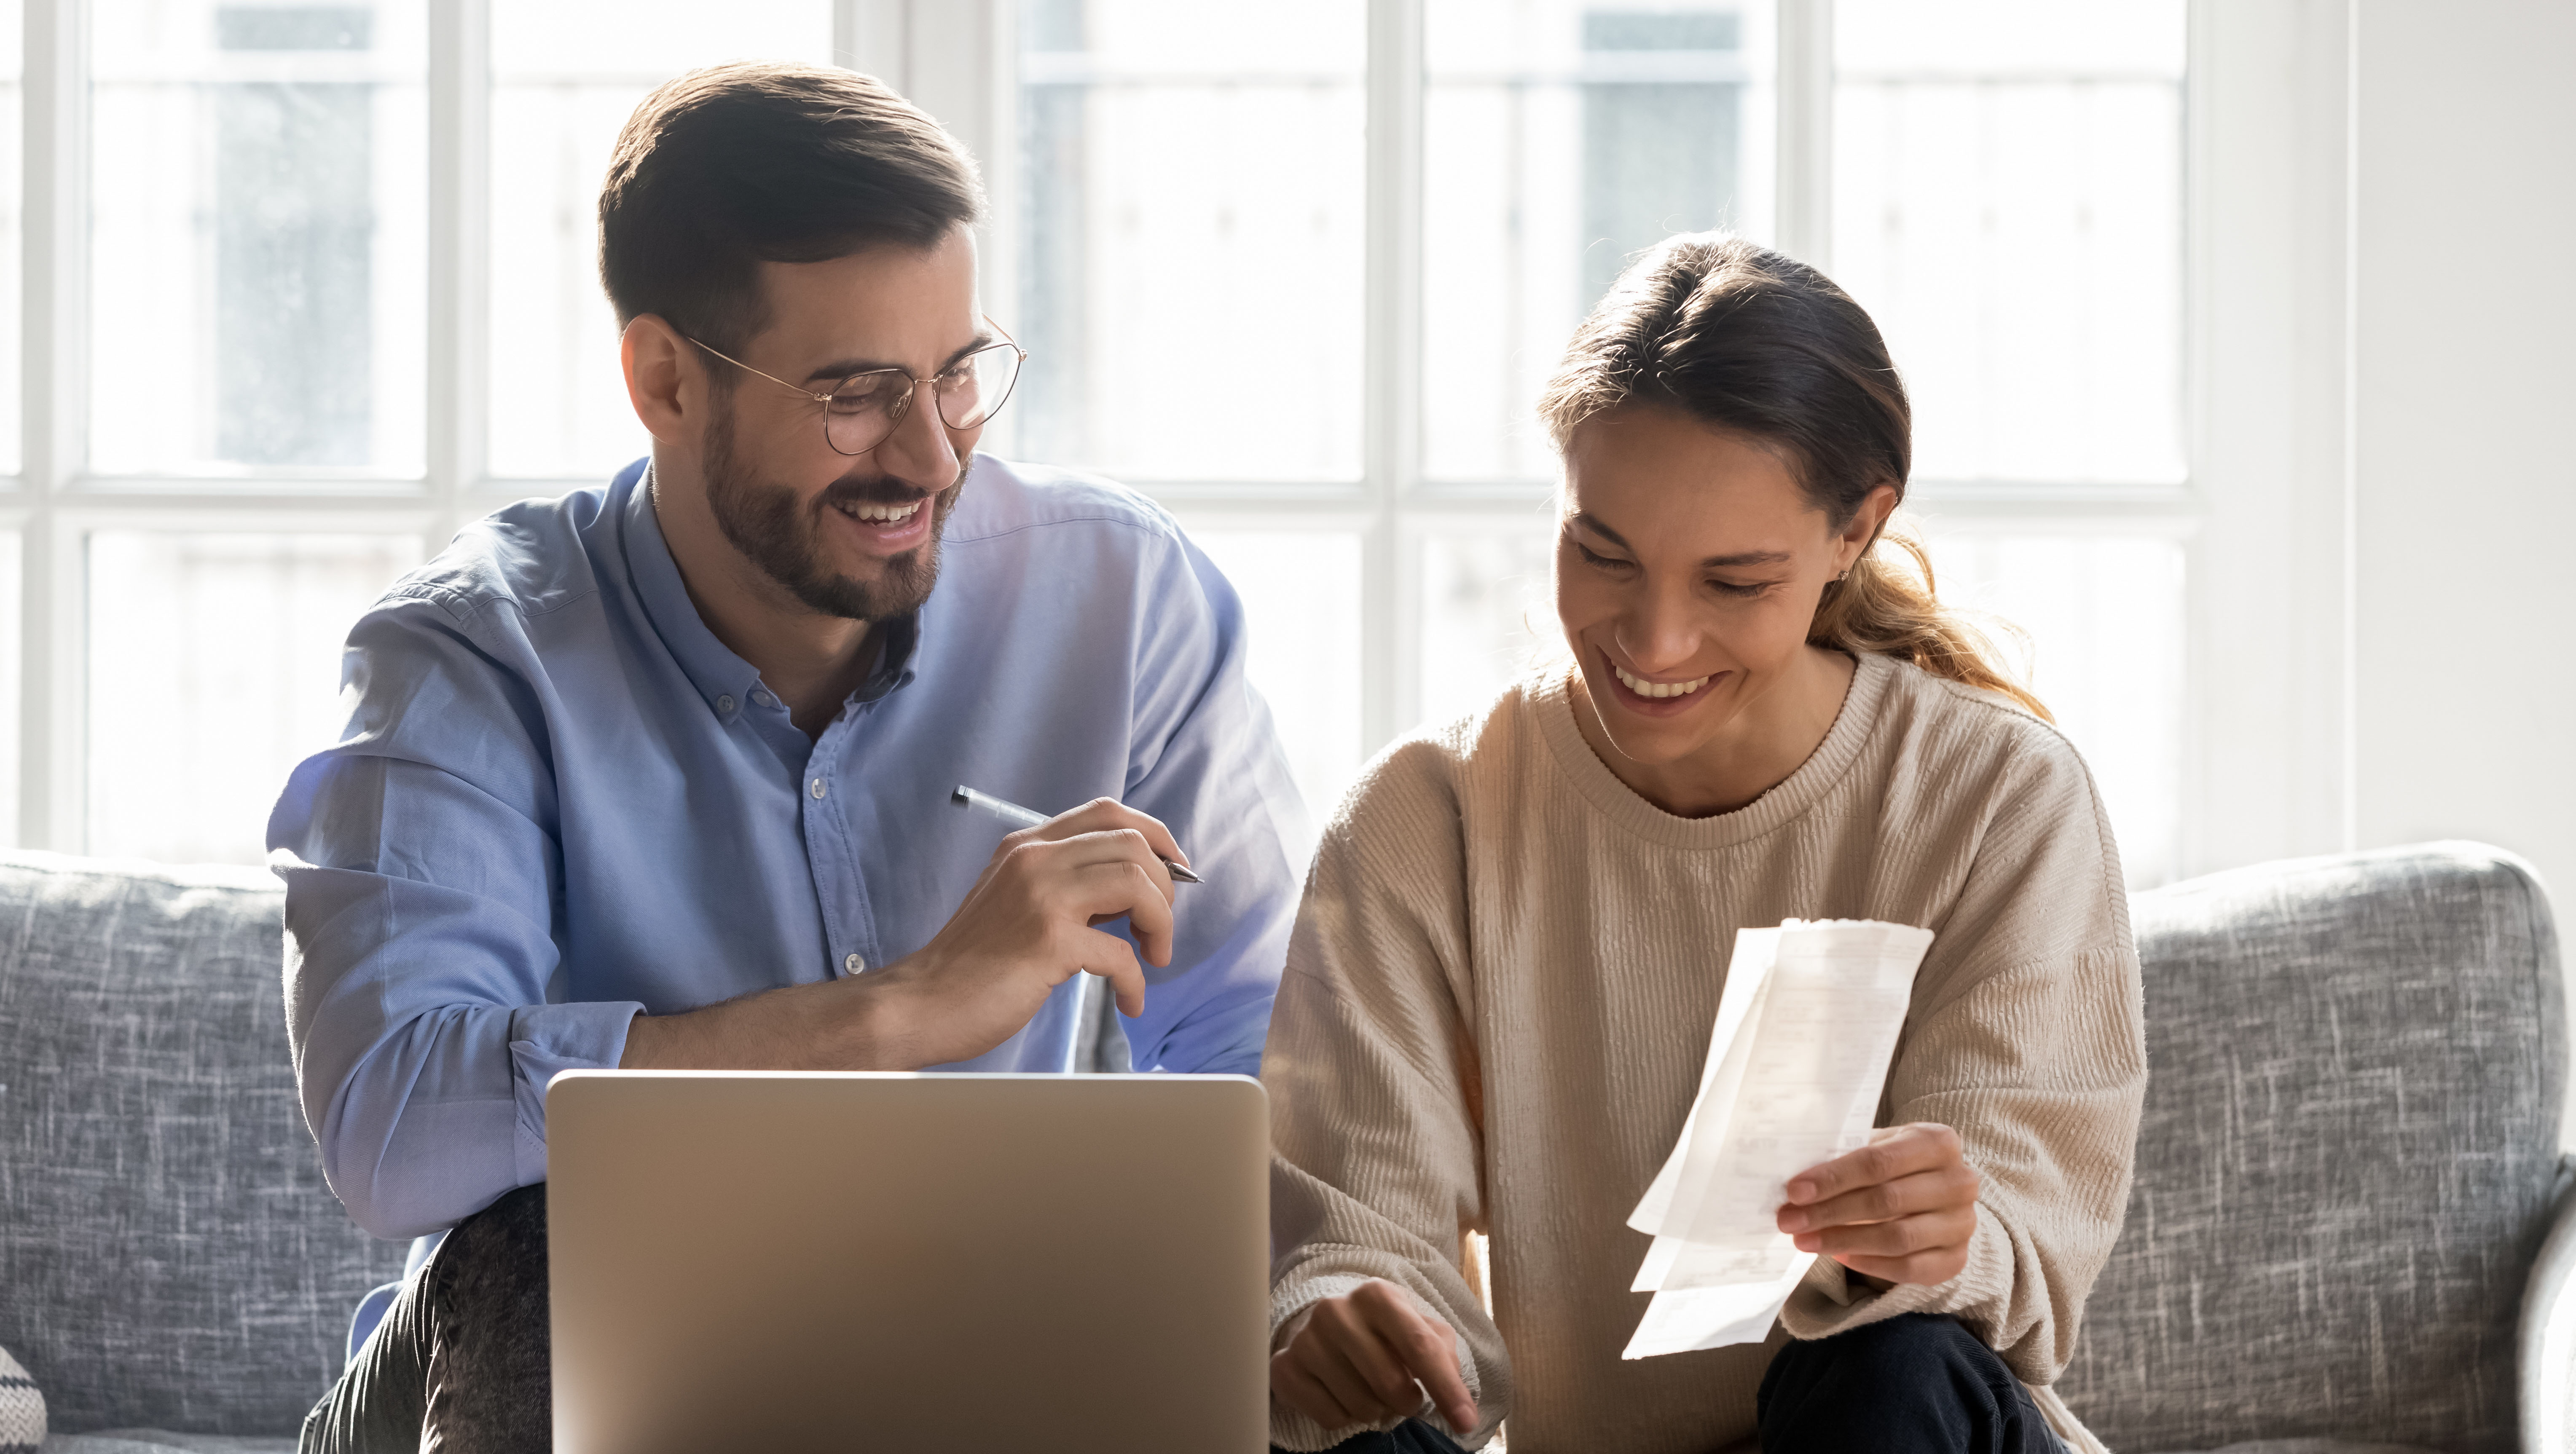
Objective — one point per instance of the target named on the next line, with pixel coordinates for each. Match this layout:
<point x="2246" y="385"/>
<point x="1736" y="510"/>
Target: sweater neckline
<point x="1553" y="700"/>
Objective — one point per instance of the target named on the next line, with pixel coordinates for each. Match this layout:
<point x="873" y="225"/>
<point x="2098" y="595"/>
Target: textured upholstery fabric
<point x="2349" y="1157"/>
<point x="22" y="1408"/>
<point x="169" y="1255"/>
<point x="156" y="1441"/>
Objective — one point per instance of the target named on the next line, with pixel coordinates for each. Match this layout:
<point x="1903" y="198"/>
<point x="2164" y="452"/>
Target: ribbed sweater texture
<point x="1500" y="991"/>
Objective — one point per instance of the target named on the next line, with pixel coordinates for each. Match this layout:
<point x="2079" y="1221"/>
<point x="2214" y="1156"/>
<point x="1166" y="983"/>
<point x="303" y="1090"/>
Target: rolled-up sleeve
<point x="422" y="874"/>
<point x="1207" y="762"/>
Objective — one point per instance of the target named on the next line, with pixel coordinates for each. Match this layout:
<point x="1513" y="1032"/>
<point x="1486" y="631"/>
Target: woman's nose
<point x="1658" y="633"/>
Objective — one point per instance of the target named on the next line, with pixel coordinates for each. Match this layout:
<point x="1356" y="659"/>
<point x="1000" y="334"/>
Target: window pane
<point x="1488" y="615"/>
<point x="238" y="638"/>
<point x="12" y="157"/>
<point x="1192" y="182"/>
<point x="2104" y="616"/>
<point x="257" y="235"/>
<point x="2008" y="205"/>
<point x="1559" y="138"/>
<point x="1301" y="600"/>
<point x="10" y="676"/>
<point x="565" y="76"/>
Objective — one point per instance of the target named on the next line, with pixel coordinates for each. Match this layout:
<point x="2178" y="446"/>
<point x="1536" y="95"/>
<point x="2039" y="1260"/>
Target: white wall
<point x="2464" y="427"/>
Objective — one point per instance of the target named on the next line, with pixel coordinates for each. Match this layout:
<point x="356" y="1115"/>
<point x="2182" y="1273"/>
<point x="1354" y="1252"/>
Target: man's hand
<point x="1900" y="1209"/>
<point x="1369" y="1355"/>
<point x="1026" y="927"/>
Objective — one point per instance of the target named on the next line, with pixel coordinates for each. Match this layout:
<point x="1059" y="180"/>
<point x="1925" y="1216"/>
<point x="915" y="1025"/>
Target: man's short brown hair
<point x="727" y="168"/>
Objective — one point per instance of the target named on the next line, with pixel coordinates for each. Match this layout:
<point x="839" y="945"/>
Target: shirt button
<point x="762" y="697"/>
<point x="725" y="705"/>
<point x="816" y="787"/>
<point x="854" y="964"/>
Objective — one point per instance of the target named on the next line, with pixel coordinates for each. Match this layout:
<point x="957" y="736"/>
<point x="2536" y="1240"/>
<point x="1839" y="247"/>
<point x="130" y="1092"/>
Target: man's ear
<point x="665" y="379"/>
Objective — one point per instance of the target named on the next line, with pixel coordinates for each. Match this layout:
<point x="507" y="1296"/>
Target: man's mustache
<point x="882" y="491"/>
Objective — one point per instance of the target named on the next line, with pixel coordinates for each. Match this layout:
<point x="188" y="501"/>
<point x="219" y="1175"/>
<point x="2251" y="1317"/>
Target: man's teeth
<point x="886" y="514"/>
<point x="1645" y="688"/>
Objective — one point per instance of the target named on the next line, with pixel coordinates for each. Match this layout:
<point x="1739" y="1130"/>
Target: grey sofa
<point x="2348" y="1169"/>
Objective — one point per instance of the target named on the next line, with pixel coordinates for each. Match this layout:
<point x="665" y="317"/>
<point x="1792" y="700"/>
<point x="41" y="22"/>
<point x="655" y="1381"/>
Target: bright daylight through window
<point x="1297" y="270"/>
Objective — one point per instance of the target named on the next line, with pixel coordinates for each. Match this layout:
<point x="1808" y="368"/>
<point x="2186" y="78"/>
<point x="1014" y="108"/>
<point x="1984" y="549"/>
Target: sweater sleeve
<point x="2026" y="1036"/>
<point x="1376" y="1169"/>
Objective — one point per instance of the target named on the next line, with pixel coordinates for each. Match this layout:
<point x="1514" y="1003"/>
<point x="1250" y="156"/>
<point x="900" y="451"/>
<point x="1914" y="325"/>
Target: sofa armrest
<point x="2548" y="1352"/>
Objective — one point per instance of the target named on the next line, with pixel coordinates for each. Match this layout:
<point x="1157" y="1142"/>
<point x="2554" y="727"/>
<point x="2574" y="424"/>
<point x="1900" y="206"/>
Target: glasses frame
<point x="896" y="411"/>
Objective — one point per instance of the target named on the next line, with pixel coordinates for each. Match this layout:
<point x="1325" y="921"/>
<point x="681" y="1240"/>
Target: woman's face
<point x="1688" y="567"/>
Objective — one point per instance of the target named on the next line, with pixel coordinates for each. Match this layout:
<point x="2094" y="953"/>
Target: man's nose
<point x="917" y="450"/>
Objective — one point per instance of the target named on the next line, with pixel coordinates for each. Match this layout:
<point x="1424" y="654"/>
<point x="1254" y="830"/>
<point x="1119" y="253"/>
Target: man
<point x="658" y="775"/>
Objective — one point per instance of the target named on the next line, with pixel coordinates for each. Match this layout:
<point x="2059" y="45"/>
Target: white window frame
<point x="2263" y="511"/>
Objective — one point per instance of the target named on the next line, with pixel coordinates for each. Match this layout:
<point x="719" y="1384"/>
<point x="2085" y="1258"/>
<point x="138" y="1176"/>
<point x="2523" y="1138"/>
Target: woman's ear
<point x="662" y="379"/>
<point x="1864" y="526"/>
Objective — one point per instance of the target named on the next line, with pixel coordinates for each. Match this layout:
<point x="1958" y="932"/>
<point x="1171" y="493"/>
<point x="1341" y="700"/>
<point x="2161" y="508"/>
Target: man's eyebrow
<point x="839" y="369"/>
<point x="1714" y="562"/>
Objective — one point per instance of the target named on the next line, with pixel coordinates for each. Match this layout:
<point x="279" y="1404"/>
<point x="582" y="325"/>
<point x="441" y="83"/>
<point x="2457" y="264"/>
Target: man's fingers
<point x="1114" y="959"/>
<point x="1108" y="890"/>
<point x="1897" y="1151"/>
<point x="1924" y="1191"/>
<point x="1108" y="815"/>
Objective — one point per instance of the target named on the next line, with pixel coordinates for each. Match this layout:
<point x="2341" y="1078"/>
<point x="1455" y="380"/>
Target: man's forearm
<point x="837" y="1025"/>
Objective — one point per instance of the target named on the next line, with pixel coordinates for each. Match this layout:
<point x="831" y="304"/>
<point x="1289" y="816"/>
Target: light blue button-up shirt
<point x="560" y="801"/>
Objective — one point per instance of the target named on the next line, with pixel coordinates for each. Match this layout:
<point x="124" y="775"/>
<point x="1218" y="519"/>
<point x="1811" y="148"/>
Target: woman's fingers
<point x="1902" y="1237"/>
<point x="1954" y="1185"/>
<point x="1304" y="1392"/>
<point x="1370" y="1355"/>
<point x="1926" y="1269"/>
<point x="1893" y="1151"/>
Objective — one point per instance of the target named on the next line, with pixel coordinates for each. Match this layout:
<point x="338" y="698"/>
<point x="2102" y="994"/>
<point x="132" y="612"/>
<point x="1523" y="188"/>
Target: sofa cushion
<point x="169" y="1255"/>
<point x="157" y="1441"/>
<point x="2348" y="1160"/>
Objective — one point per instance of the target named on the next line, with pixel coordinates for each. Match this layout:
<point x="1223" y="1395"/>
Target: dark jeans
<point x="1910" y="1385"/>
<point x="459" y="1363"/>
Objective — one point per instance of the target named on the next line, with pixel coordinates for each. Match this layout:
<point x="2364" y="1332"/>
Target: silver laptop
<point x="790" y="1262"/>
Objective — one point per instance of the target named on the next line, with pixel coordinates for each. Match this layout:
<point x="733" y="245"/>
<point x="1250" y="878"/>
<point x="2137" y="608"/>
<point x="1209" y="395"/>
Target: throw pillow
<point x="22" y="1409"/>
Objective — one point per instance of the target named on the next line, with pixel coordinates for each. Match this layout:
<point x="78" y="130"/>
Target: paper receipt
<point x="1797" y="1061"/>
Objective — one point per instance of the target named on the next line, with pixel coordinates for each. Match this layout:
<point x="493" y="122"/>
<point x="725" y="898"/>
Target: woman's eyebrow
<point x="1739" y="559"/>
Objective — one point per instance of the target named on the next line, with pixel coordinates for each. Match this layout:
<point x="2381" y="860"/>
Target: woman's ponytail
<point x="1749" y="340"/>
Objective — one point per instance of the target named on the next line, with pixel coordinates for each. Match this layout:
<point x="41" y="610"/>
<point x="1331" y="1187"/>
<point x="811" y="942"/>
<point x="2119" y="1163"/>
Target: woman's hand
<point x="1367" y="1356"/>
<point x="1900" y="1209"/>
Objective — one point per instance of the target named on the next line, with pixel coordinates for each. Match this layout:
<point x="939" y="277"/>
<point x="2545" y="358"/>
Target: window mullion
<point x="1806" y="130"/>
<point x="459" y="254"/>
<point x="53" y="280"/>
<point x="1392" y="371"/>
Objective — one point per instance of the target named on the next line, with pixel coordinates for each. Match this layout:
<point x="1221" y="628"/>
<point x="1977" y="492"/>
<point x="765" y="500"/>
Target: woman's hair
<point x="1742" y="338"/>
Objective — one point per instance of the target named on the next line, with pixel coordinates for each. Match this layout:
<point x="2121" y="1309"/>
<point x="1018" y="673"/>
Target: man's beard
<point x="782" y="535"/>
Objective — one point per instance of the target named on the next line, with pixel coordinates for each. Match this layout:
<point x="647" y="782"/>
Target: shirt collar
<point x="724" y="680"/>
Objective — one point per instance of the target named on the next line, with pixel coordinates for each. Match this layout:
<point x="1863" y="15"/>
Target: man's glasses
<point x="863" y="409"/>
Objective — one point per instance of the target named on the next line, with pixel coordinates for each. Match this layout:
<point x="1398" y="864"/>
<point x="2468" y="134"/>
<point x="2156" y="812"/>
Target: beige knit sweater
<point x="1500" y="991"/>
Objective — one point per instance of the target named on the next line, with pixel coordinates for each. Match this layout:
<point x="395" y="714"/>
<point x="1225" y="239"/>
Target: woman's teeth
<point x="881" y="514"/>
<point x="1645" y="688"/>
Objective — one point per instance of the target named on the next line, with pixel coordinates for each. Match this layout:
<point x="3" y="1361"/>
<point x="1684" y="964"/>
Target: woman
<point x="1510" y="953"/>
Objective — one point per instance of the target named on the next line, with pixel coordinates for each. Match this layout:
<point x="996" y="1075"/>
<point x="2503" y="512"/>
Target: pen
<point x="1018" y="816"/>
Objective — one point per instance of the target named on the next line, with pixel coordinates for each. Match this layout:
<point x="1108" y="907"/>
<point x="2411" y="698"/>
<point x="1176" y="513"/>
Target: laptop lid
<point x="841" y="1261"/>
